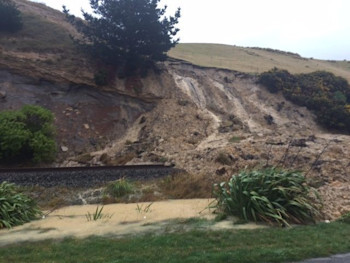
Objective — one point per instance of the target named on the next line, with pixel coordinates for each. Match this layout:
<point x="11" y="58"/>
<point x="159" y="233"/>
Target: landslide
<point x="216" y="122"/>
<point x="211" y="122"/>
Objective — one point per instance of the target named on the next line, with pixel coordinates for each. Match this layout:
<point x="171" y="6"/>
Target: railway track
<point x="83" y="176"/>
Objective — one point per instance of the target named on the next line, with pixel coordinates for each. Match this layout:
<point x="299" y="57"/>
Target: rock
<point x="269" y="119"/>
<point x="221" y="171"/>
<point x="64" y="148"/>
<point x="86" y="126"/>
<point x="299" y="143"/>
<point x="3" y="94"/>
<point x="143" y="120"/>
<point x="247" y="157"/>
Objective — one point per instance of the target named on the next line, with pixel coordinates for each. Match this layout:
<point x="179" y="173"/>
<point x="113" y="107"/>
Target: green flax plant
<point x="15" y="208"/>
<point x="270" y="195"/>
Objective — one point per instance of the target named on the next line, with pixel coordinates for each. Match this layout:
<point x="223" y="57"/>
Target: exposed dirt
<point x="212" y="112"/>
<point x="119" y="220"/>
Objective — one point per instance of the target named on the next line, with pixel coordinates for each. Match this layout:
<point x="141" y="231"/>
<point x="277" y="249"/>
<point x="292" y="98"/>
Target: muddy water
<point x="119" y="220"/>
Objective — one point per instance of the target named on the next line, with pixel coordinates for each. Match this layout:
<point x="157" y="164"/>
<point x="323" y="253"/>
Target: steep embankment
<point x="216" y="122"/>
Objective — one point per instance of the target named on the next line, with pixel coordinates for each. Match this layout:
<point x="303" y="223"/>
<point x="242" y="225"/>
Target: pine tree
<point x="126" y="33"/>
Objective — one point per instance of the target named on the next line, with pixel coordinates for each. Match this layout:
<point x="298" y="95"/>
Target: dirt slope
<point x="213" y="112"/>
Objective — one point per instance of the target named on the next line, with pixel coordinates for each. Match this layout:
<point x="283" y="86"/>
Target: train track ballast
<point x="83" y="176"/>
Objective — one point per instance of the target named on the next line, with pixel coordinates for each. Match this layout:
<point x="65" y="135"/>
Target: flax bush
<point x="270" y="195"/>
<point x="15" y="207"/>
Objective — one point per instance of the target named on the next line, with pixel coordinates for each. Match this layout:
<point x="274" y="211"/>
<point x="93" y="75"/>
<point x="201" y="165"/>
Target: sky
<point x="312" y="28"/>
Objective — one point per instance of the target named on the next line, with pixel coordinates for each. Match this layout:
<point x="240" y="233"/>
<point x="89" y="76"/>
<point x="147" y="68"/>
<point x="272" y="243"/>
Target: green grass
<point x="267" y="245"/>
<point x="235" y="139"/>
<point x="252" y="60"/>
<point x="119" y="188"/>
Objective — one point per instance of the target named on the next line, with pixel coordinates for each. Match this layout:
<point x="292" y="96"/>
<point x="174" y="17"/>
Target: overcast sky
<point x="312" y="28"/>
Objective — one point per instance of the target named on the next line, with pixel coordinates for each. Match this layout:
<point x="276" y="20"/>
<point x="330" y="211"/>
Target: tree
<point x="129" y="33"/>
<point x="10" y="17"/>
<point x="27" y="135"/>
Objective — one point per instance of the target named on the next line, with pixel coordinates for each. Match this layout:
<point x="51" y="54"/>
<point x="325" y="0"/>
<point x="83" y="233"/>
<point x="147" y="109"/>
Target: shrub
<point x="27" y="135"/>
<point x="270" y="195"/>
<point x="15" y="208"/>
<point x="119" y="188"/>
<point x="345" y="218"/>
<point x="10" y="17"/>
<point x="322" y="92"/>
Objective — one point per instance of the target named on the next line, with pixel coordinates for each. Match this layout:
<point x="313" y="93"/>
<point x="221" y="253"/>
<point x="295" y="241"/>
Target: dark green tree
<point x="10" y="17"/>
<point x="27" y="135"/>
<point x="126" y="33"/>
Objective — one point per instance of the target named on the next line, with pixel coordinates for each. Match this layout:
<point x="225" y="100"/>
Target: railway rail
<point x="83" y="176"/>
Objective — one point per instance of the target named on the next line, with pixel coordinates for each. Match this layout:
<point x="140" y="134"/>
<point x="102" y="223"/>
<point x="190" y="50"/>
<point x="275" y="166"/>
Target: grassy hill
<point x="45" y="40"/>
<point x="254" y="60"/>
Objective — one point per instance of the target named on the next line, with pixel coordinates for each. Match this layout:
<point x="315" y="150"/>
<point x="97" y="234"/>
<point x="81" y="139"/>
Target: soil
<point x="119" y="220"/>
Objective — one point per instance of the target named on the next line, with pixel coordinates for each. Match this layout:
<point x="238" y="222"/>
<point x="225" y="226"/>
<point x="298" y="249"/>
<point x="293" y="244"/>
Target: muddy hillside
<point x="216" y="122"/>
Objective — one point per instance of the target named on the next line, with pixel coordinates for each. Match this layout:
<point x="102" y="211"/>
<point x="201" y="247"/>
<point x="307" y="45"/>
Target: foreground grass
<point x="267" y="245"/>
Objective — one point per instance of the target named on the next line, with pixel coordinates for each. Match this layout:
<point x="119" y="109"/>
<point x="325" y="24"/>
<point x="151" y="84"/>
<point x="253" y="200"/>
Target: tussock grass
<point x="119" y="188"/>
<point x="186" y="186"/>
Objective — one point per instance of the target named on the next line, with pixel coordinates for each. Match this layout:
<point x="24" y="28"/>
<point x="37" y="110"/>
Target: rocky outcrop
<point x="86" y="117"/>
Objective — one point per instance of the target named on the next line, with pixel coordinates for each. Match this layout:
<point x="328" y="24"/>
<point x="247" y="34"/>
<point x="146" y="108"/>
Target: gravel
<point x="82" y="176"/>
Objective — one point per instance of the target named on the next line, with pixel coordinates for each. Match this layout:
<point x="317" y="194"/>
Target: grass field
<point x="254" y="60"/>
<point x="266" y="245"/>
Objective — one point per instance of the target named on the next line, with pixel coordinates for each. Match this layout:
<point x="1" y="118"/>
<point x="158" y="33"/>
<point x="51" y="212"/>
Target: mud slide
<point x="118" y="220"/>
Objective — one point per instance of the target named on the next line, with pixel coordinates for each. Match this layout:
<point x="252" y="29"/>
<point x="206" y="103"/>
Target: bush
<point x="10" y="17"/>
<point x="27" y="135"/>
<point x="119" y="188"/>
<point x="270" y="195"/>
<point x="322" y="92"/>
<point x="345" y="218"/>
<point x="15" y="208"/>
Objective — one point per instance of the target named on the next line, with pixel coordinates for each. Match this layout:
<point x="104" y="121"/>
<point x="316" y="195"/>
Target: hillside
<point x="207" y="116"/>
<point x="254" y="60"/>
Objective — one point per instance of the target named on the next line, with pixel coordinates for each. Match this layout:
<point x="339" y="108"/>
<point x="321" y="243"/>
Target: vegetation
<point x="244" y="246"/>
<point x="119" y="188"/>
<point x="15" y="207"/>
<point x="186" y="186"/>
<point x="144" y="209"/>
<point x="345" y="218"/>
<point x="252" y="60"/>
<point x="97" y="215"/>
<point x="235" y="139"/>
<point x="322" y="92"/>
<point x="270" y="195"/>
<point x="10" y="17"/>
<point x="130" y="33"/>
<point x="27" y="135"/>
